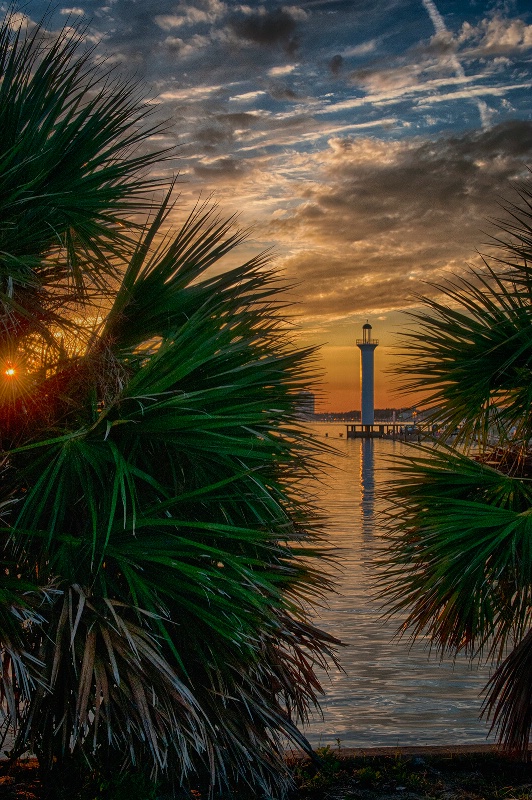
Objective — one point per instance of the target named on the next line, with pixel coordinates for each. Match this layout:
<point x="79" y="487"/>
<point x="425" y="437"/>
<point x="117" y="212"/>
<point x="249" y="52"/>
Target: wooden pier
<point x="384" y="430"/>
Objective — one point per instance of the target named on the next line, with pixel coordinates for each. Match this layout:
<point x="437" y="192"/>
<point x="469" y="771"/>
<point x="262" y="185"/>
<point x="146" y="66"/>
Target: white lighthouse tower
<point x="367" y="347"/>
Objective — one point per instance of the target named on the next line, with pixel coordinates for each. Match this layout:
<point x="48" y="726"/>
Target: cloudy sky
<point x="368" y="141"/>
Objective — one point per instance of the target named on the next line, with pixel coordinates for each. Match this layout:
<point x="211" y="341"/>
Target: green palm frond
<point x="66" y="127"/>
<point x="472" y="358"/>
<point x="161" y="548"/>
<point x="157" y="292"/>
<point x="72" y="174"/>
<point x="176" y="494"/>
<point x="459" y="560"/>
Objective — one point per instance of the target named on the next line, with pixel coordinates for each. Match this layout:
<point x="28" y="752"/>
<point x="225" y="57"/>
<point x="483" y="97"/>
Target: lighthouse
<point x="367" y="347"/>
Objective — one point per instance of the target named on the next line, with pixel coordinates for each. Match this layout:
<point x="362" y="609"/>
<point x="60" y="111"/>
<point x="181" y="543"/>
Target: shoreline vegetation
<point x="463" y="772"/>
<point x="460" y="772"/>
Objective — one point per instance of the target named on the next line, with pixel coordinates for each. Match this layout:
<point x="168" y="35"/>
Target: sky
<point x="369" y="142"/>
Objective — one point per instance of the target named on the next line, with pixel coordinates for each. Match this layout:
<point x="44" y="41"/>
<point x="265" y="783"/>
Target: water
<point x="391" y="692"/>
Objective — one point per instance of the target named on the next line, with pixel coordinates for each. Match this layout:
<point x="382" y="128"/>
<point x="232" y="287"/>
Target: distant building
<point x="306" y="404"/>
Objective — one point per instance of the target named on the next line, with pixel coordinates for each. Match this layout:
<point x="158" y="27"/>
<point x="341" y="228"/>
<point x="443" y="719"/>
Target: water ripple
<point x="391" y="693"/>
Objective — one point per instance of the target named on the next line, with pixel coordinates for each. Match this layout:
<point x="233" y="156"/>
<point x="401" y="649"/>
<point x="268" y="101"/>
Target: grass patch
<point x="335" y="775"/>
<point x="428" y="777"/>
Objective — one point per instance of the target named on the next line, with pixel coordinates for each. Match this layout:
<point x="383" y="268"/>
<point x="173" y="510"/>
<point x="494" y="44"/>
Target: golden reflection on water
<point x="391" y="692"/>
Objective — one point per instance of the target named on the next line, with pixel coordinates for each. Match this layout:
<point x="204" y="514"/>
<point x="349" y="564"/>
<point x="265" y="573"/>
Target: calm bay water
<point x="391" y="692"/>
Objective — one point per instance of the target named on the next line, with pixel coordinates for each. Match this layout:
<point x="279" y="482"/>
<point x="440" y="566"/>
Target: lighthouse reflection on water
<point x="367" y="486"/>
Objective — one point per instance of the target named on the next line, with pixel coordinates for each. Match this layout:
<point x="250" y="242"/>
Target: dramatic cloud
<point x="367" y="143"/>
<point x="496" y="35"/>
<point x="189" y="14"/>
<point x="220" y="169"/>
<point x="281" y="92"/>
<point x="382" y="80"/>
<point x="382" y="216"/>
<point x="335" y="64"/>
<point x="276" y="27"/>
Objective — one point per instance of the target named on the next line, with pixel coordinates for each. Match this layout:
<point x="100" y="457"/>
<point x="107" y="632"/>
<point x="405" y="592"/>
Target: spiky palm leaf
<point x="461" y="565"/>
<point x="69" y="180"/>
<point x="459" y="561"/>
<point x="509" y="701"/>
<point x="471" y="355"/>
<point x="154" y="470"/>
<point x="179" y="502"/>
<point x="71" y="174"/>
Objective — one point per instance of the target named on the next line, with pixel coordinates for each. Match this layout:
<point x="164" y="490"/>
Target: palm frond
<point x="71" y="176"/>
<point x="509" y="702"/>
<point x="459" y="560"/>
<point x="175" y="493"/>
<point x="105" y="671"/>
<point x="459" y="563"/>
<point x="471" y="357"/>
<point x="152" y="446"/>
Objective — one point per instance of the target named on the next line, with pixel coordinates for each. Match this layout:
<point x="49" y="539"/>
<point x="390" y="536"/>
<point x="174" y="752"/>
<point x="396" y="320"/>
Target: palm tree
<point x="459" y="560"/>
<point x="159" y="546"/>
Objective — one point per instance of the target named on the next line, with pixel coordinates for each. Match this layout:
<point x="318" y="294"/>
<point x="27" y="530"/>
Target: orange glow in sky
<point x="342" y="379"/>
<point x="339" y="360"/>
